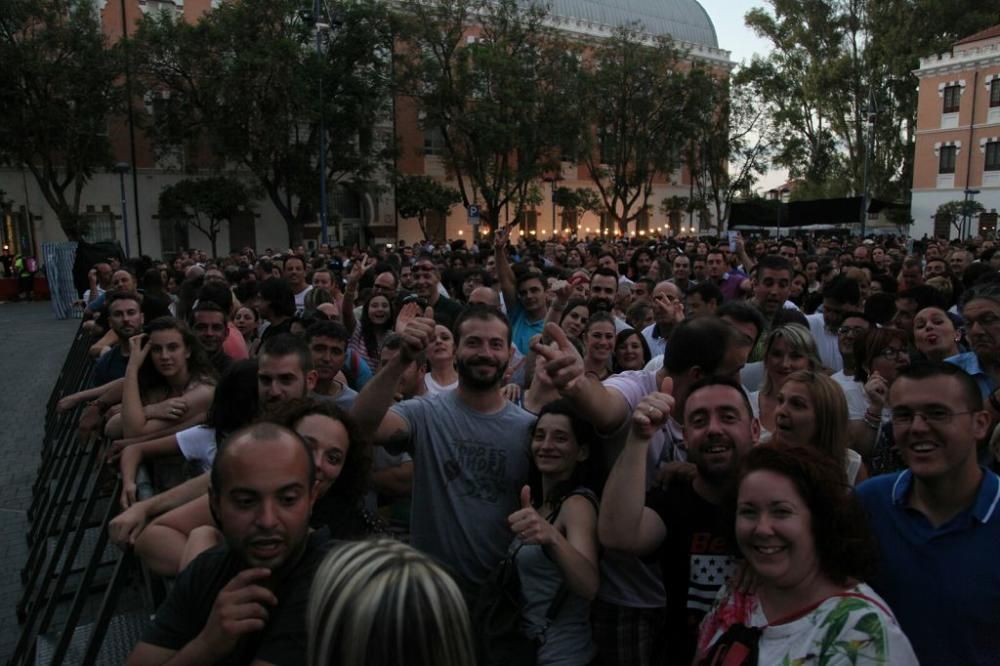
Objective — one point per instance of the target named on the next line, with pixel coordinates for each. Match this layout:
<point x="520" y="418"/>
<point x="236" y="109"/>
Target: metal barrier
<point x="70" y="565"/>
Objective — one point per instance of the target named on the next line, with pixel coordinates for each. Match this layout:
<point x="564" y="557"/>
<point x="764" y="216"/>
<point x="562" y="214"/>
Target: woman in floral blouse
<point x="807" y="551"/>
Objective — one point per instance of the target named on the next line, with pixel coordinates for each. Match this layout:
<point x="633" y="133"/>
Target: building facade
<point x="958" y="133"/>
<point x="107" y="208"/>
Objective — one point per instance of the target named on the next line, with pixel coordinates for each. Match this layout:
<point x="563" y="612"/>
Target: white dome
<point x="683" y="20"/>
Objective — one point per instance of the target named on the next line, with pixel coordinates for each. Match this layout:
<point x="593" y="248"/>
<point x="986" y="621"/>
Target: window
<point x="946" y="163"/>
<point x="993" y="156"/>
<point x="433" y="141"/>
<point x="100" y="225"/>
<point x="994" y="93"/>
<point x="952" y="96"/>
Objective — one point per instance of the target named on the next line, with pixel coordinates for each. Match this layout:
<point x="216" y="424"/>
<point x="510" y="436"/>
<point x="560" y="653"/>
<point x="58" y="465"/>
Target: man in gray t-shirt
<point x="470" y="446"/>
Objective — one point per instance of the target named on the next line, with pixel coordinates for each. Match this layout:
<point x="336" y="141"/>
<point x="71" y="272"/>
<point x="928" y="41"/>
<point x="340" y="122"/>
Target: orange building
<point x="957" y="153"/>
<point x="420" y="153"/>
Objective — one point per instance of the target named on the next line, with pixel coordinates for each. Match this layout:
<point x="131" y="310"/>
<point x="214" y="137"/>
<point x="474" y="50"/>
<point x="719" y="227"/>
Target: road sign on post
<point x="474" y="215"/>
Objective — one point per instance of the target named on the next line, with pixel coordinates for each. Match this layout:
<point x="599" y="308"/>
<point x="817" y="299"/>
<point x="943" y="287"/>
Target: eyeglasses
<point x="931" y="415"/>
<point x="851" y="330"/>
<point x="891" y="353"/>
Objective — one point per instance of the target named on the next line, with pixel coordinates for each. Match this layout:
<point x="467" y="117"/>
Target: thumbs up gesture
<point x="654" y="410"/>
<point x="528" y="524"/>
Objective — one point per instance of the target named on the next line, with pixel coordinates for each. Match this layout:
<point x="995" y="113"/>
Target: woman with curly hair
<point x="807" y="543"/>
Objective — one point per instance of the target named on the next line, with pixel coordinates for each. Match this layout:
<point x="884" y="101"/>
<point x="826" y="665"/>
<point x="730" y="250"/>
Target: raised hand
<point x="877" y="391"/>
<point x="654" y="410"/>
<point x="560" y="361"/>
<point x="529" y="525"/>
<point x="417" y="334"/>
<point x="138" y="350"/>
<point x="501" y="237"/>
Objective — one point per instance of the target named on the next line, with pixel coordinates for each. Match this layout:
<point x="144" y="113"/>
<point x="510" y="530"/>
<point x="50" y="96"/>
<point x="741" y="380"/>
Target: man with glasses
<point x="841" y="297"/>
<point x="937" y="522"/>
<point x="981" y="311"/>
<point x="853" y="328"/>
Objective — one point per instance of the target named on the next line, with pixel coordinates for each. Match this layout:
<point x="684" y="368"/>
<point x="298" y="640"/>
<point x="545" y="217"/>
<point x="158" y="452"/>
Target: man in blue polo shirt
<point x="938" y="522"/>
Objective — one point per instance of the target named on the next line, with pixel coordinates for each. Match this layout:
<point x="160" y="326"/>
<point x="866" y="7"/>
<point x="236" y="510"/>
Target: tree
<point x="631" y="116"/>
<point x="418" y="195"/>
<point x="960" y="210"/>
<point x="58" y="90"/>
<point x="841" y="68"/>
<point x="261" y="107"/>
<point x="730" y="144"/>
<point x="578" y="202"/>
<point x="497" y="99"/>
<point x="205" y="203"/>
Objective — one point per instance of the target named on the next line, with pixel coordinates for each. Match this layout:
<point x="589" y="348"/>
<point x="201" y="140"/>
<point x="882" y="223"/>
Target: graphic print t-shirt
<point x="468" y="472"/>
<point x="696" y="558"/>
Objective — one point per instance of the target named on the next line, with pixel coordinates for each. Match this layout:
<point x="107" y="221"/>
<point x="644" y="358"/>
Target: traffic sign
<point x="474" y="215"/>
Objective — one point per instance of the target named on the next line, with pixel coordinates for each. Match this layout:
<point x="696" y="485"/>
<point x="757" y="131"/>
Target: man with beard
<point x="603" y="291"/>
<point x="125" y="317"/>
<point x="328" y="345"/>
<point x="246" y="601"/>
<point x="840" y="298"/>
<point x="632" y="595"/>
<point x="470" y="446"/>
<point x="685" y="525"/>
<point x="682" y="273"/>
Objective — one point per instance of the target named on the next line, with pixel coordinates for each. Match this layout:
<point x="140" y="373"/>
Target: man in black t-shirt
<point x="245" y="602"/>
<point x="684" y="526"/>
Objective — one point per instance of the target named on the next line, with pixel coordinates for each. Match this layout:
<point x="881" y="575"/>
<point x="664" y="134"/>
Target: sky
<point x="743" y="43"/>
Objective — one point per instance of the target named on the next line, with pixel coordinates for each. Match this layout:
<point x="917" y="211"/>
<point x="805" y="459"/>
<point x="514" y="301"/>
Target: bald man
<point x="245" y="601"/>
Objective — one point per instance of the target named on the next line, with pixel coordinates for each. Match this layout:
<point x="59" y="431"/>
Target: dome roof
<point x="684" y="20"/>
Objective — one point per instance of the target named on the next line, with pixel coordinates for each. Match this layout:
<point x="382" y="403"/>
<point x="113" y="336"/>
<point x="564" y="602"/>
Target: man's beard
<point x="599" y="305"/>
<point x="470" y="379"/>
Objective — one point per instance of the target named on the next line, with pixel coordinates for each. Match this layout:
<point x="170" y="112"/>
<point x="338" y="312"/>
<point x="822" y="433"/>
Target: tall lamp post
<point x="131" y="138"/>
<point x="322" y="33"/>
<point x="870" y="110"/>
<point x="122" y="168"/>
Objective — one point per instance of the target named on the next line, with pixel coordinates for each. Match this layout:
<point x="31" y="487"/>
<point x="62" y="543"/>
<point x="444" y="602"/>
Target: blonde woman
<point x="383" y="603"/>
<point x="788" y="349"/>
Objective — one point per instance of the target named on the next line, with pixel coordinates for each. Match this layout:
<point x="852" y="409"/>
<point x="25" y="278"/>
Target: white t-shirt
<point x="300" y="299"/>
<point x="197" y="444"/>
<point x="854" y="391"/>
<point x="826" y="342"/>
<point x="433" y="388"/>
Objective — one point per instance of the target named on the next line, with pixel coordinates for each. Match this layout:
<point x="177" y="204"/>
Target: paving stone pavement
<point x="33" y="346"/>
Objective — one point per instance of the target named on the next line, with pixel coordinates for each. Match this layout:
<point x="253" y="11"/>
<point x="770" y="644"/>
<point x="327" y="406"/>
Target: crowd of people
<point x="687" y="451"/>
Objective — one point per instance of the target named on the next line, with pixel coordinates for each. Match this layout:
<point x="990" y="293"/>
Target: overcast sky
<point x="743" y="43"/>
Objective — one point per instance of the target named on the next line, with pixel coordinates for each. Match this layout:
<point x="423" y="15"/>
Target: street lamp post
<point x="870" y="111"/>
<point x="122" y="168"/>
<point x="322" y="30"/>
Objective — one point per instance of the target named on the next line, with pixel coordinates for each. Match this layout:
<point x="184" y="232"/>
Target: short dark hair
<point x="744" y="313"/>
<point x="720" y="380"/>
<point x="843" y="541"/>
<point x="294" y="256"/>
<point x="257" y="431"/>
<point x="925" y="296"/>
<point x="482" y="313"/>
<point x="287" y="344"/>
<point x="930" y="370"/>
<point x="773" y="262"/>
<point x="843" y="290"/>
<point x="528" y="275"/>
<point x="208" y="306"/>
<point x="606" y="272"/>
<point x="113" y="296"/>
<point x="278" y="293"/>
<point x="327" y="329"/>
<point x="218" y="293"/>
<point x="708" y="292"/>
<point x="701" y="342"/>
